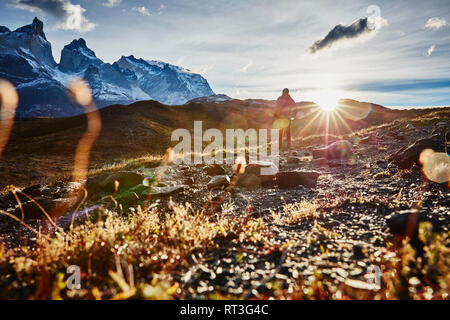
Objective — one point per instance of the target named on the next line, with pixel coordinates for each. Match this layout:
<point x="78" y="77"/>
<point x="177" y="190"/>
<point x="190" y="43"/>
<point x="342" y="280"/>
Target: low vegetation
<point x="147" y="250"/>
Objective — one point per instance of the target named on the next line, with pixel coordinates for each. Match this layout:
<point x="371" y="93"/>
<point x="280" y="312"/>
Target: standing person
<point x="282" y="116"/>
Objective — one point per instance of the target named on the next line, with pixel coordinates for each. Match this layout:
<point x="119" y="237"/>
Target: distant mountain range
<point x="26" y="60"/>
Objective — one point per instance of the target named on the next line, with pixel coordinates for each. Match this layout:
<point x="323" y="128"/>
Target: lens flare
<point x="8" y="101"/>
<point x="170" y="155"/>
<point x="354" y="110"/>
<point x="436" y="165"/>
<point x="239" y="165"/>
<point x="281" y="123"/>
<point x="424" y="155"/>
<point x="80" y="92"/>
<point x="328" y="100"/>
<point x="146" y="182"/>
<point x="8" y="97"/>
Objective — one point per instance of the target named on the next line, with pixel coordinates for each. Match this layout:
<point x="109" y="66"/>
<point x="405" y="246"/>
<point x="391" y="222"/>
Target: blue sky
<point x="255" y="48"/>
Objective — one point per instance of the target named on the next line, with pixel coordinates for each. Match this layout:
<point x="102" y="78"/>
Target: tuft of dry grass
<point x="382" y="175"/>
<point x="116" y="252"/>
<point x="293" y="213"/>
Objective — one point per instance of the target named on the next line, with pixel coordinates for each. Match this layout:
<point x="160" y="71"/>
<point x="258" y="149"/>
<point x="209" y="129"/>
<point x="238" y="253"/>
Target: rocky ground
<point x="332" y="208"/>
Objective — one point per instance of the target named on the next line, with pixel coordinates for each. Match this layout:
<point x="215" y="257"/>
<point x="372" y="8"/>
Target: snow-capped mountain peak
<point x="36" y="28"/>
<point x="26" y="60"/>
<point x="76" y="57"/>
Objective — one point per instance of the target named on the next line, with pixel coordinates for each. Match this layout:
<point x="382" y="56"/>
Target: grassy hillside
<point x="184" y="239"/>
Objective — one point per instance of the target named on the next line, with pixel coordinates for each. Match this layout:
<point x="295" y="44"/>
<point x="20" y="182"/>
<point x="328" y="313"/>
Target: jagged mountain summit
<point x="27" y="61"/>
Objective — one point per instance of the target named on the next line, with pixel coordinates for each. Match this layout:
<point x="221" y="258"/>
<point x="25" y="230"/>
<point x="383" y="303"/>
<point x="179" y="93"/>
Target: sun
<point x="327" y="100"/>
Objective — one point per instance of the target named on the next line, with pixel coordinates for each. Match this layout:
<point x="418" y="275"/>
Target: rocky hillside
<point x="338" y="207"/>
<point x="43" y="148"/>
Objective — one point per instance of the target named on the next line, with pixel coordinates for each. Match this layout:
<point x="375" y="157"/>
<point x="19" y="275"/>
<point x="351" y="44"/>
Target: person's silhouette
<point x="282" y="116"/>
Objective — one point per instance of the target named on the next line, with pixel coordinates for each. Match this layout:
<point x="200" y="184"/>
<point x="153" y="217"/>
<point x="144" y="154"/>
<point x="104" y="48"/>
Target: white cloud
<point x="75" y="19"/>
<point x="245" y="67"/>
<point x="161" y="8"/>
<point x="112" y="3"/>
<point x="142" y="10"/>
<point x="202" y="69"/>
<point x="436" y="23"/>
<point x="71" y="16"/>
<point x="431" y="50"/>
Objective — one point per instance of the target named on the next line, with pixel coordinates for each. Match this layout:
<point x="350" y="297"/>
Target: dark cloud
<point x="341" y="32"/>
<point x="53" y="7"/>
<point x="70" y="15"/>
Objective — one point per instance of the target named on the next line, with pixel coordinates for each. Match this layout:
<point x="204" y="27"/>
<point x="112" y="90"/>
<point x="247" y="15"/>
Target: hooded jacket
<point x="284" y="106"/>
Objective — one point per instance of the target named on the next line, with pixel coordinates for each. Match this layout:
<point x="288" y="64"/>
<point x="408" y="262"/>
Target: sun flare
<point x="328" y="100"/>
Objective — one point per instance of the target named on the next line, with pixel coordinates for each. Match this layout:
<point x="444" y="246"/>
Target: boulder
<point x="55" y="199"/>
<point x="398" y="222"/>
<point x="218" y="182"/>
<point x="53" y="207"/>
<point x="214" y="169"/>
<point x="104" y="183"/>
<point x="406" y="157"/>
<point x="341" y="149"/>
<point x="289" y="179"/>
<point x="258" y="173"/>
<point x="358" y="251"/>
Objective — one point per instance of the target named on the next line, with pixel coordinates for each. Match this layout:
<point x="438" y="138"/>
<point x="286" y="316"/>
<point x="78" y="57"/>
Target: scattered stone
<point x="249" y="180"/>
<point x="189" y="181"/>
<point x="218" y="182"/>
<point x="258" y="173"/>
<point x="167" y="191"/>
<point x="34" y="190"/>
<point x="293" y="160"/>
<point x="382" y="164"/>
<point x="372" y="140"/>
<point x="406" y="157"/>
<point x="358" y="284"/>
<point x="214" y="169"/>
<point x="342" y="149"/>
<point x="289" y="179"/>
<point x="141" y="192"/>
<point x="358" y="252"/>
